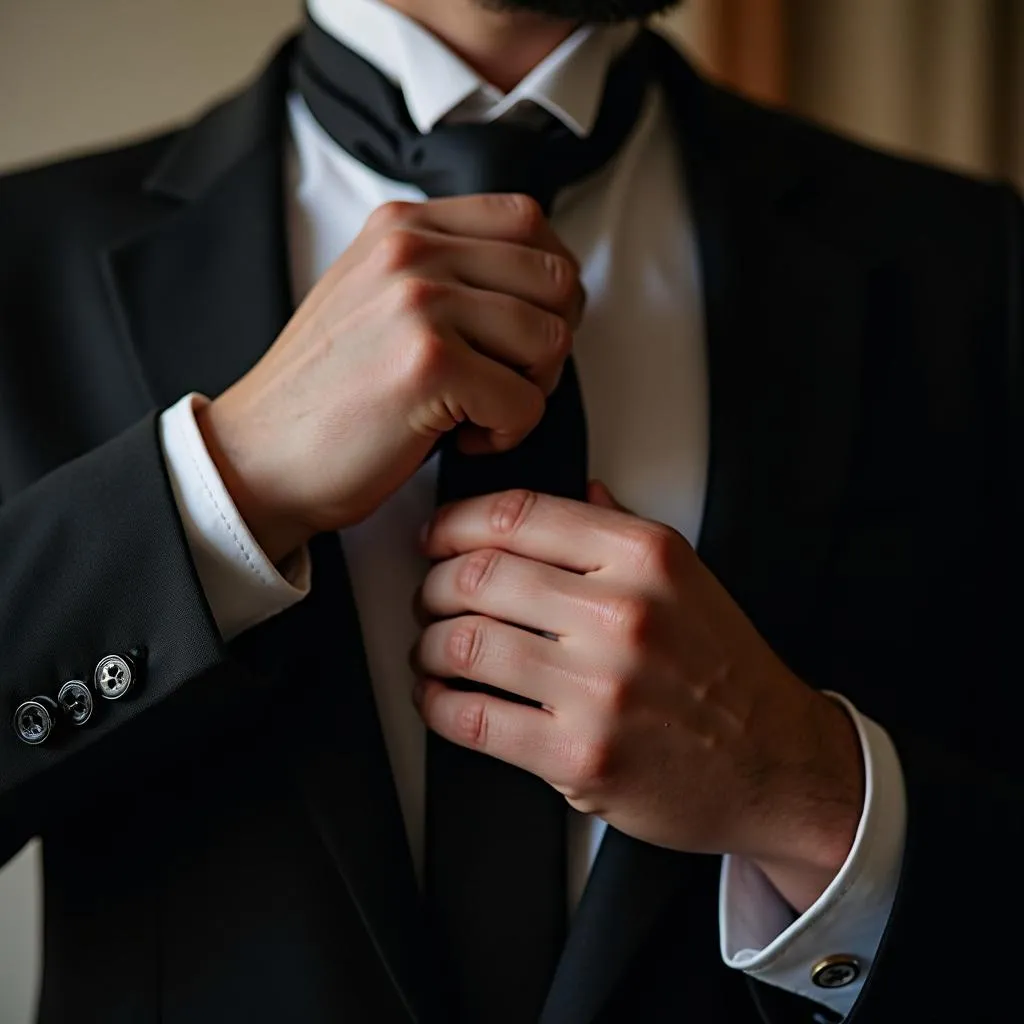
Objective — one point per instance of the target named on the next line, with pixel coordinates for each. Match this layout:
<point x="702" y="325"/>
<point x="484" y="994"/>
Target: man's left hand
<point x="657" y="705"/>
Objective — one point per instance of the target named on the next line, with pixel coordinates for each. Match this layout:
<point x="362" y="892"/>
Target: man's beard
<point x="593" y="11"/>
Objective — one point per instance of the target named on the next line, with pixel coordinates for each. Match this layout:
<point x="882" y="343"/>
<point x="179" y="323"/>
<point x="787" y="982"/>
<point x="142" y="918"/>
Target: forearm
<point x="826" y="811"/>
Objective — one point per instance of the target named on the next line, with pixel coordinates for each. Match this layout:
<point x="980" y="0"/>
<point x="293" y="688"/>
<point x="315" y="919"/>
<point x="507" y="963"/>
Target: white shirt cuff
<point x="242" y="586"/>
<point x="761" y="935"/>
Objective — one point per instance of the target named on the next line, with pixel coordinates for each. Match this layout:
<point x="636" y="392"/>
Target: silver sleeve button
<point x="114" y="676"/>
<point x="34" y="720"/>
<point x="75" y="700"/>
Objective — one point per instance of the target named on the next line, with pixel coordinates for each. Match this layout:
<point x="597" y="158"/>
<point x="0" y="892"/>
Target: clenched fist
<point x="453" y="311"/>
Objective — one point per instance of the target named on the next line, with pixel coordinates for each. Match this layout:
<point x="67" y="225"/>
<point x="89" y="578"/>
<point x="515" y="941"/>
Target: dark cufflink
<point x="835" y="971"/>
<point x="34" y="720"/>
<point x="75" y="700"/>
<point x="115" y="675"/>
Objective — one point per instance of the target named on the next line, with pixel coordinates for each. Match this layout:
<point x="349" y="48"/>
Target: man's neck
<point x="501" y="46"/>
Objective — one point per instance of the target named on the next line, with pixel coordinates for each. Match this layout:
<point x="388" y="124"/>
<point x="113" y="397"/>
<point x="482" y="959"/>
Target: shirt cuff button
<point x="835" y="971"/>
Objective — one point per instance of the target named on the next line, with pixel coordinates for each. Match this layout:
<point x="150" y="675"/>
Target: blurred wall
<point x="938" y="79"/>
<point x="942" y="80"/>
<point x="78" y="72"/>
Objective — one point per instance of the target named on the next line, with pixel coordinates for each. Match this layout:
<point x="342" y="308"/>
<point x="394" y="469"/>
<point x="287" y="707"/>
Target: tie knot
<point x="466" y="159"/>
<point x="366" y="115"/>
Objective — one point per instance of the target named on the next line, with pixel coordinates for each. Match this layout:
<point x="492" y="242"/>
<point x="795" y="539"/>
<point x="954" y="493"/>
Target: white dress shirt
<point x="642" y="366"/>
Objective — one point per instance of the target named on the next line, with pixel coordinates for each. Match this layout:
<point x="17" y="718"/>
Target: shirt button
<point x="34" y="720"/>
<point x="75" y="701"/>
<point x="835" y="971"/>
<point x="114" y="676"/>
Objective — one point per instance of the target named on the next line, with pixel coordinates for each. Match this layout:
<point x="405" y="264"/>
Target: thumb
<point x="598" y="494"/>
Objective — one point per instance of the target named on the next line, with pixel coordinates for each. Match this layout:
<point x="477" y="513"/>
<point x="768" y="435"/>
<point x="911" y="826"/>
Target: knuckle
<point x="630" y="617"/>
<point x="651" y="548"/>
<point x="417" y="295"/>
<point x="390" y="215"/>
<point x="610" y="692"/>
<point x="465" y="645"/>
<point x="562" y="275"/>
<point x="526" y="213"/>
<point x="471" y="724"/>
<point x="476" y="570"/>
<point x="400" y="248"/>
<point x="560" y="337"/>
<point x="511" y="509"/>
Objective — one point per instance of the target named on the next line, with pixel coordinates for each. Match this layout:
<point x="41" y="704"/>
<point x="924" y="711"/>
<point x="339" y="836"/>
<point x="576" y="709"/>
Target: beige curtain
<point x="938" y="79"/>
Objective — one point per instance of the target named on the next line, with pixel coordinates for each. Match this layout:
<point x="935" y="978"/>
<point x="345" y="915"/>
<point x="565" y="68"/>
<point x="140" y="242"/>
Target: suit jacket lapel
<point x="201" y="291"/>
<point x="785" y="314"/>
<point x="783" y="311"/>
<point x="202" y="285"/>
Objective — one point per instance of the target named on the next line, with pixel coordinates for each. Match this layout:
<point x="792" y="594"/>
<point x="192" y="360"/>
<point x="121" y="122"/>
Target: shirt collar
<point x="437" y="84"/>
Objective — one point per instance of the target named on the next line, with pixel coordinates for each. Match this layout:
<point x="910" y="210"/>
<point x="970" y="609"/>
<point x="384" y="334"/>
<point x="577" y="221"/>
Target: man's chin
<point x="593" y="11"/>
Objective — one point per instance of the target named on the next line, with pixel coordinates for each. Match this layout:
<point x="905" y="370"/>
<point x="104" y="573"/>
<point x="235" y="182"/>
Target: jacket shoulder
<point x="867" y="193"/>
<point x="104" y="169"/>
<point x="84" y="197"/>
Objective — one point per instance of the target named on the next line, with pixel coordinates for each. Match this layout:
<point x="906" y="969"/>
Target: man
<point x="721" y="415"/>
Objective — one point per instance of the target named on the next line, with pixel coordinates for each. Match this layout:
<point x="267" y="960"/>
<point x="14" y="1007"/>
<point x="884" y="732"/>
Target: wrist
<point x="278" y="533"/>
<point x="819" y="808"/>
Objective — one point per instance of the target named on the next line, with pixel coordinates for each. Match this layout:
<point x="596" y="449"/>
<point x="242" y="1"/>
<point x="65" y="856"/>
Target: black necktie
<point x="495" y="835"/>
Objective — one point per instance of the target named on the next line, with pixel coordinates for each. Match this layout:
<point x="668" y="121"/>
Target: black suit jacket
<point x="225" y="843"/>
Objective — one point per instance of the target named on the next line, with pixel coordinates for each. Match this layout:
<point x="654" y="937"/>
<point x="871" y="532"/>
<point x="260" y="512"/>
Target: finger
<point x="524" y="736"/>
<point x="535" y="275"/>
<point x="599" y="494"/>
<point x="499" y="216"/>
<point x="487" y="651"/>
<point x="540" y="271"/>
<point x="570" y="534"/>
<point x="510" y="330"/>
<point x="502" y="403"/>
<point x="504" y="586"/>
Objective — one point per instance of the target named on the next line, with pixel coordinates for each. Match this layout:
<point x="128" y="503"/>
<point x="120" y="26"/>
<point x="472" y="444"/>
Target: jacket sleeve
<point x="959" y="899"/>
<point x="94" y="562"/>
<point x="948" y="950"/>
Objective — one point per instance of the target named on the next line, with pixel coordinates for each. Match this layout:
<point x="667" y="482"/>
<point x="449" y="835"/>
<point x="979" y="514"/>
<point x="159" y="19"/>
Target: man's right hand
<point x="440" y="313"/>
